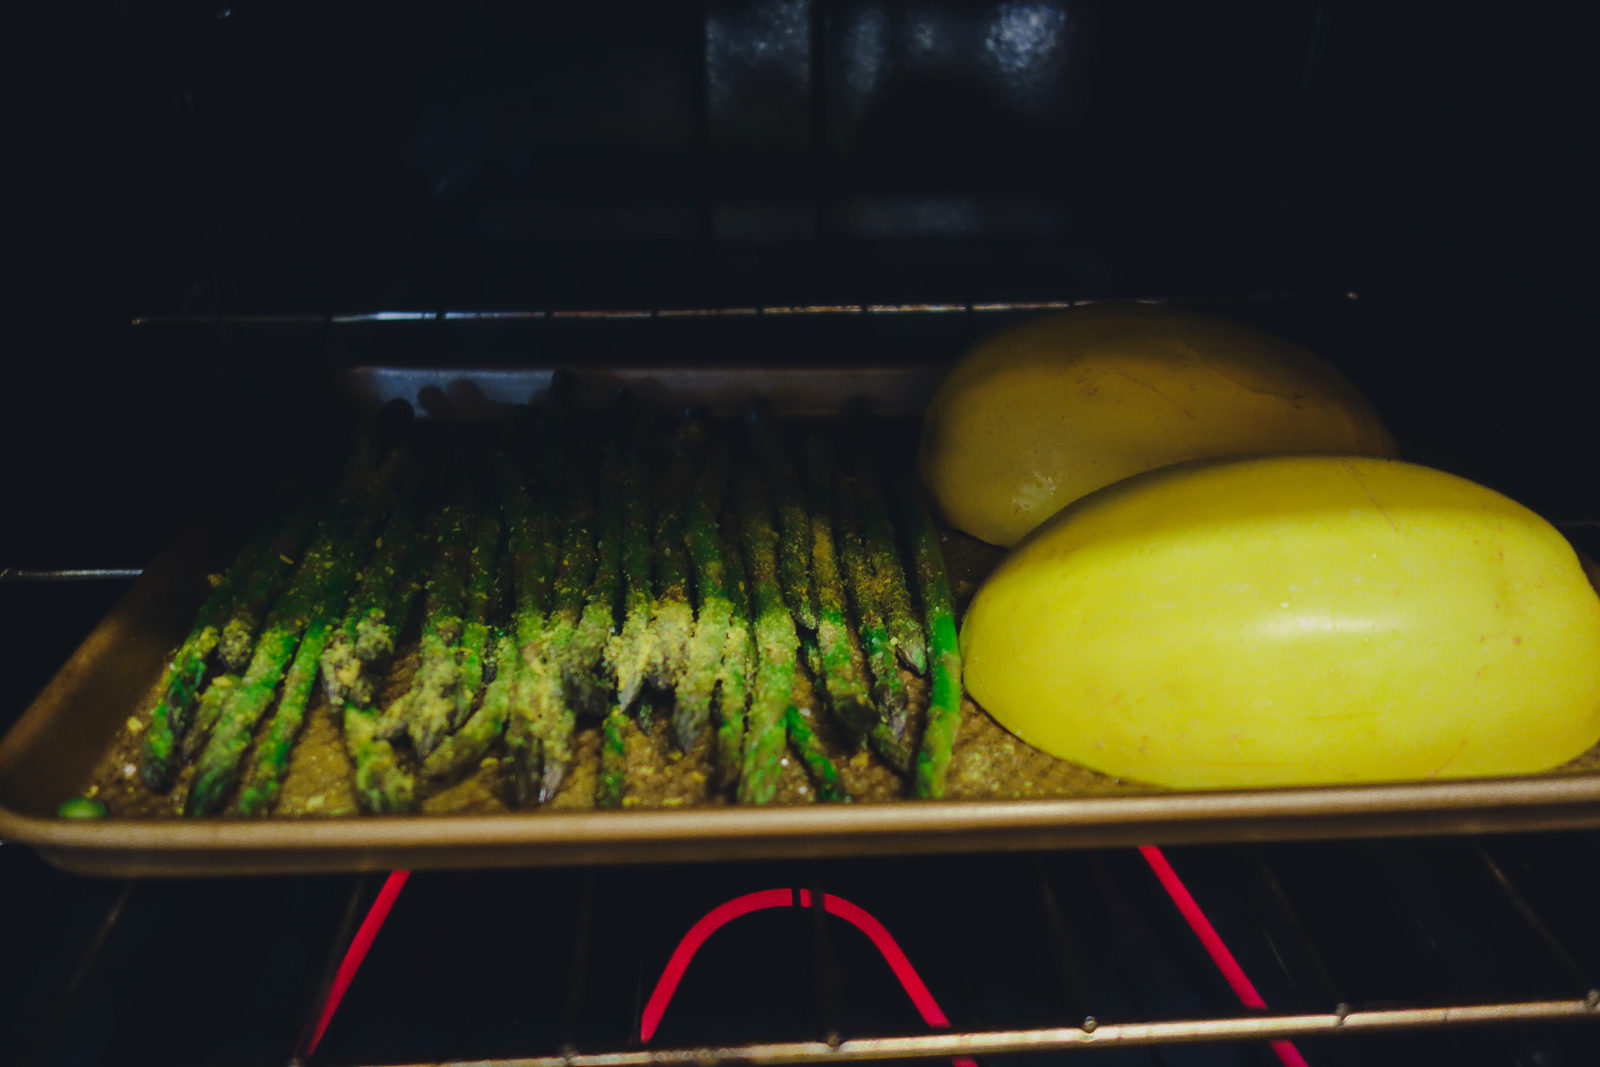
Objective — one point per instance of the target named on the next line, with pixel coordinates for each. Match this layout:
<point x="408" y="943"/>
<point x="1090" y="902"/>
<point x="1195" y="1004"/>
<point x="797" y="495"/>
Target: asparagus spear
<point x="811" y="656"/>
<point x="357" y="476"/>
<point x="533" y="559"/>
<point x="381" y="585"/>
<point x="258" y="589"/>
<point x="613" y="781"/>
<point x="302" y="605"/>
<point x="944" y="703"/>
<point x="467" y="747"/>
<point x="692" y="711"/>
<point x="794" y="546"/>
<point x="905" y="629"/>
<point x="733" y="681"/>
<point x="206" y="714"/>
<point x="776" y="643"/>
<point x="848" y="697"/>
<point x="378" y="611"/>
<point x="890" y="734"/>
<point x="584" y="688"/>
<point x="271" y="757"/>
<point x="372" y="441"/>
<point x="672" y="617"/>
<point x="806" y="745"/>
<point x="539" y="770"/>
<point x="182" y="685"/>
<point x="629" y="652"/>
<point x="483" y="569"/>
<point x="426" y="711"/>
<point x="316" y="591"/>
<point x="382" y="784"/>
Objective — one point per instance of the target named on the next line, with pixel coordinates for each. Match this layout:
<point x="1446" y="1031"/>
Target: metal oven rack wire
<point x="1103" y="939"/>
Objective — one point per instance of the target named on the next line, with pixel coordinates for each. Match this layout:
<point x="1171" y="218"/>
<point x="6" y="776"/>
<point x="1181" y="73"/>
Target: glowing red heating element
<point x="857" y="916"/>
<point x="854" y="914"/>
<point x="1215" y="947"/>
<point x="357" y="952"/>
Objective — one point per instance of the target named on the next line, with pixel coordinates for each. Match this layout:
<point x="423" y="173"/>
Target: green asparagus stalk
<point x="372" y="441"/>
<point x="533" y="559"/>
<point x="795" y="541"/>
<point x="216" y="771"/>
<point x="890" y="735"/>
<point x="541" y="769"/>
<point x="629" y="652"/>
<point x="467" y="747"/>
<point x="878" y="535"/>
<point x="389" y="586"/>
<point x="182" y="684"/>
<point x="613" y="782"/>
<point x="811" y="657"/>
<point x="846" y="691"/>
<point x="380" y="586"/>
<point x="672" y="615"/>
<point x="580" y="672"/>
<point x="692" y="710"/>
<point x="933" y="585"/>
<point x="316" y="591"/>
<point x="376" y="612"/>
<point x="270" y="761"/>
<point x="431" y="704"/>
<point x="354" y="482"/>
<point x="806" y="745"/>
<point x="483" y="569"/>
<point x="382" y="784"/>
<point x="536" y="699"/>
<point x="206" y="714"/>
<point x="538" y="696"/>
<point x="537" y="514"/>
<point x="776" y="644"/>
<point x="738" y="663"/>
<point x="256" y="592"/>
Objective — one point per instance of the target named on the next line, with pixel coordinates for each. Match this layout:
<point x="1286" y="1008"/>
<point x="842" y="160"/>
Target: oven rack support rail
<point x="627" y="314"/>
<point x="1090" y="1034"/>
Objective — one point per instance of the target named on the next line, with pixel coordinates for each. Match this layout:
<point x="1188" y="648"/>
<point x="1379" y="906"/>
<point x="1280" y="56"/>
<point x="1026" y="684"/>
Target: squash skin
<point x="1292" y="621"/>
<point x="1036" y="416"/>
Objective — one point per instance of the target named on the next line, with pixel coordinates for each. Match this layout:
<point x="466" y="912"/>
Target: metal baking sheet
<point x="49" y="754"/>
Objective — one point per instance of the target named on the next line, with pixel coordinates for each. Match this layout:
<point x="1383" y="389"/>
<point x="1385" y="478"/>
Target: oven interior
<point x="231" y="205"/>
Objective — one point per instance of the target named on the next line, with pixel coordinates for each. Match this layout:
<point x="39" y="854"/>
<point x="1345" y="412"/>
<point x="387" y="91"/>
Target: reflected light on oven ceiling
<point x="1020" y="46"/>
<point x="1024" y="46"/>
<point x="771" y="39"/>
<point x="865" y="38"/>
<point x="919" y="216"/>
<point x="932" y="37"/>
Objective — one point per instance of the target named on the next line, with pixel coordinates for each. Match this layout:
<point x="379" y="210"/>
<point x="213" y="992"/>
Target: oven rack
<point x="1528" y="987"/>
<point x="1348" y="1017"/>
<point x="1063" y="1039"/>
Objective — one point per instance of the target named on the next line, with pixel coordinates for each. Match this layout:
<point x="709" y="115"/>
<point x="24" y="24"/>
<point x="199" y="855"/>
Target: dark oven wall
<point x="296" y="157"/>
<point x="205" y="159"/>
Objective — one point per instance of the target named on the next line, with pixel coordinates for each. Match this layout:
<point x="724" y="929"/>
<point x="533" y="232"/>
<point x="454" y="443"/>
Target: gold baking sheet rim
<point x="143" y="848"/>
